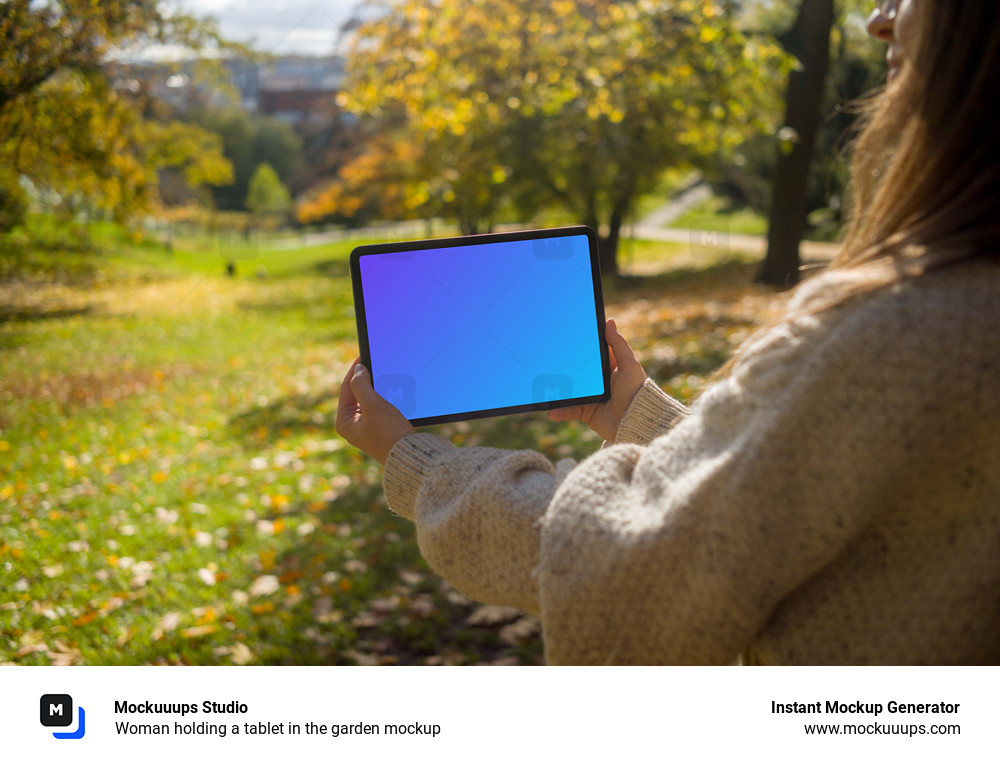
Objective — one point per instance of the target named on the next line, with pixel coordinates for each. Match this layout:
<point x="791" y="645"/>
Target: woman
<point x="836" y="497"/>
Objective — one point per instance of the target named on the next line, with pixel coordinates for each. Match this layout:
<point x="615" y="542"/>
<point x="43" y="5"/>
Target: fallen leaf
<point x="167" y="623"/>
<point x="385" y="605"/>
<point x="264" y="585"/>
<point x="518" y="632"/>
<point x="241" y="654"/>
<point x="354" y="566"/>
<point x="31" y="642"/>
<point x="492" y="615"/>
<point x="198" y="631"/>
<point x="207" y="576"/>
<point x="64" y="655"/>
<point x="86" y="618"/>
<point x="422" y="605"/>
<point x="366" y="620"/>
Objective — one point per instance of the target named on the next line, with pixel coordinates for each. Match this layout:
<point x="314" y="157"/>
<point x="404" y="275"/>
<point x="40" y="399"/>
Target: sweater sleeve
<point x="651" y="414"/>
<point x="679" y="552"/>
<point x="676" y="551"/>
<point x="495" y="498"/>
<point x="476" y="511"/>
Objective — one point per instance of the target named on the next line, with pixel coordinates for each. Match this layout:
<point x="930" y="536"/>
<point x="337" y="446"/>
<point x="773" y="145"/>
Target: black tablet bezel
<point x="484" y="239"/>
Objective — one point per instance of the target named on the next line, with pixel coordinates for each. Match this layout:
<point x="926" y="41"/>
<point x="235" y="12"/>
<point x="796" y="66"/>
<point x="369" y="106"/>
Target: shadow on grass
<point x="274" y="303"/>
<point x="301" y="413"/>
<point x="80" y="265"/>
<point x="321" y="300"/>
<point x="380" y="604"/>
<point x="288" y="414"/>
<point x="726" y="271"/>
<point x="334" y="268"/>
<point x="40" y="313"/>
<point x="384" y="606"/>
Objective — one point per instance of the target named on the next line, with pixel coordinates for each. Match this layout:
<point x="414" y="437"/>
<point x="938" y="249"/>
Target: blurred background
<point x="180" y="187"/>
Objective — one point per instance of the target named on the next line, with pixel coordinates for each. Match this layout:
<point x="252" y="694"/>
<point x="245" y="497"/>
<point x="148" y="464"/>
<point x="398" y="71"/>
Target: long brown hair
<point x="927" y="164"/>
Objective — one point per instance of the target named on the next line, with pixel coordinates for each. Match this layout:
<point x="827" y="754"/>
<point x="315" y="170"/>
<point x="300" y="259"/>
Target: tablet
<point x="471" y="327"/>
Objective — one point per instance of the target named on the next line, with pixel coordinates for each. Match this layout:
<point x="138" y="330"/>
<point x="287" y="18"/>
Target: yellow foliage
<point x="573" y="100"/>
<point x="383" y="176"/>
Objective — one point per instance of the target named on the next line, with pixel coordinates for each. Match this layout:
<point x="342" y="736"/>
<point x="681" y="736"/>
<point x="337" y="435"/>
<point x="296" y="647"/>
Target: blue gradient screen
<point x="468" y="328"/>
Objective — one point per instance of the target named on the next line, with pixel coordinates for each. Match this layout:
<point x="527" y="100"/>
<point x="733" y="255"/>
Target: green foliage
<point x="13" y="201"/>
<point x="64" y="123"/>
<point x="580" y="103"/>
<point x="195" y="152"/>
<point x="266" y="195"/>
<point x="247" y="142"/>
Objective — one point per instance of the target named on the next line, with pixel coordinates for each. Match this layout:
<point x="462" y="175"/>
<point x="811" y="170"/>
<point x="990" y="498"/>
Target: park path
<point x="654" y="226"/>
<point x="748" y="243"/>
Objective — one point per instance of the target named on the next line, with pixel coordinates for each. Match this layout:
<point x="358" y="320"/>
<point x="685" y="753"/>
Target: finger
<point x="348" y="410"/>
<point x="610" y="328"/>
<point x="625" y="356"/>
<point x="347" y="397"/>
<point x="563" y="414"/>
<point x="361" y="385"/>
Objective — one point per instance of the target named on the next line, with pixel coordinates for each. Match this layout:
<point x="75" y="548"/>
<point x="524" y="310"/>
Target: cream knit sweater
<point x="835" y="500"/>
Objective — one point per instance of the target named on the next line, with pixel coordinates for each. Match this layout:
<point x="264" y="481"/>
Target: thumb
<point x="624" y="355"/>
<point x="361" y="386"/>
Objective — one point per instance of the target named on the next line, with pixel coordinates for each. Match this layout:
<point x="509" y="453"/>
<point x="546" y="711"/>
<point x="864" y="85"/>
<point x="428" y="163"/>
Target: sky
<point x="306" y="27"/>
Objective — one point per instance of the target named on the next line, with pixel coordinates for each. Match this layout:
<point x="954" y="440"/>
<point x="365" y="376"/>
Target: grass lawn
<point x="172" y="490"/>
<point x="713" y="215"/>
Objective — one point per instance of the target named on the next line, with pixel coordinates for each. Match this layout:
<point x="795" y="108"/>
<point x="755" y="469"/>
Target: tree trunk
<point x="809" y="41"/>
<point x="607" y="247"/>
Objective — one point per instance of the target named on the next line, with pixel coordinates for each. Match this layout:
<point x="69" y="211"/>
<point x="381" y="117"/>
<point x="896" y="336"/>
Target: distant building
<point x="246" y="78"/>
<point x="299" y="107"/>
<point x="296" y="89"/>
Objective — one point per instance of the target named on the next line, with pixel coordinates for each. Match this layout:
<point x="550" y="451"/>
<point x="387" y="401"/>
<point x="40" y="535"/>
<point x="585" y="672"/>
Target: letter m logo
<point x="400" y="391"/>
<point x="56" y="710"/>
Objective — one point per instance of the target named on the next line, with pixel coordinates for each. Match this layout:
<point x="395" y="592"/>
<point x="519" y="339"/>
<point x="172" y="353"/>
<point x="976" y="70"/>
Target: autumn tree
<point x="382" y="179"/>
<point x="66" y="124"/>
<point x="576" y="103"/>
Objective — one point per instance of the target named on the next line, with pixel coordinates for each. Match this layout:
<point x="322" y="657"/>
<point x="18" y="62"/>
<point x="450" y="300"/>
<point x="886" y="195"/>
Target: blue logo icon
<point x="57" y="710"/>
<point x="400" y="391"/>
<point x="551" y="388"/>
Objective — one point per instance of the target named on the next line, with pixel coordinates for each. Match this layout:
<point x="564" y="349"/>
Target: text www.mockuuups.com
<point x="870" y="711"/>
<point x="903" y="729"/>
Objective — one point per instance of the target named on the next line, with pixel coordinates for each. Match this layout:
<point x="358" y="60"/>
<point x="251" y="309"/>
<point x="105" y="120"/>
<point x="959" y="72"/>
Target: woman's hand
<point x="365" y="419"/>
<point x="627" y="377"/>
